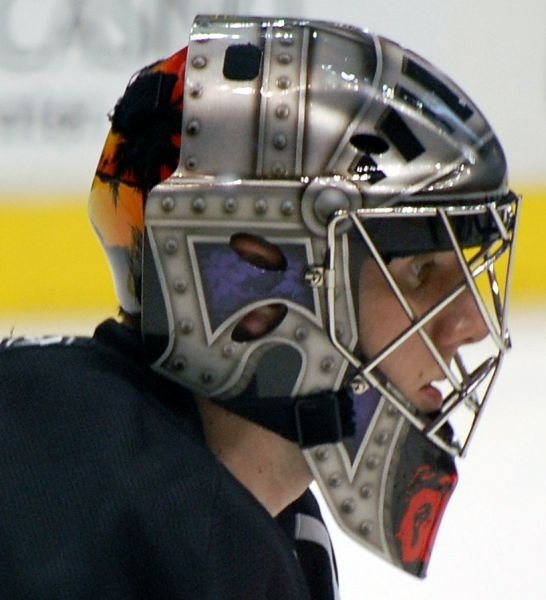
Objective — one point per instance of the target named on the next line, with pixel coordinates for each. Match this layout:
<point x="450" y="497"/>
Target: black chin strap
<point x="322" y="418"/>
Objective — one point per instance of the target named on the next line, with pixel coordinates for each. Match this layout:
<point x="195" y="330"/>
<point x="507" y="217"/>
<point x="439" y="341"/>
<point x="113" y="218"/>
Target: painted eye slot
<point x="258" y="252"/>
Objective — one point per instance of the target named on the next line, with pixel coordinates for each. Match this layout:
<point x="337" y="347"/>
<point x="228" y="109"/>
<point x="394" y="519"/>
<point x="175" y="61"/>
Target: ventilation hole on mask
<point x="242" y="62"/>
<point x="259" y="322"/>
<point x="396" y="129"/>
<point x="425" y="78"/>
<point x="369" y="144"/>
<point x="419" y="105"/>
<point x="367" y="169"/>
<point x="258" y="252"/>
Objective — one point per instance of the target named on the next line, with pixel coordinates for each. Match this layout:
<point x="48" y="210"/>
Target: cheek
<point x="380" y="323"/>
<point x="381" y="318"/>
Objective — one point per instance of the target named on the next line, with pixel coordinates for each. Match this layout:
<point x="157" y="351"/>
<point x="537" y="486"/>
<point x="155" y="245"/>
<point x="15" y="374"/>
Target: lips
<point x="430" y="398"/>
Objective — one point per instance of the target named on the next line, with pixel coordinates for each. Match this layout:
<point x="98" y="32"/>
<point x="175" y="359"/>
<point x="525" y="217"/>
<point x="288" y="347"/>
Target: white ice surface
<point x="492" y="542"/>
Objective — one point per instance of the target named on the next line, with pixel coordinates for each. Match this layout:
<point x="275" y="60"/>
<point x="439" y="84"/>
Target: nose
<point x="460" y="323"/>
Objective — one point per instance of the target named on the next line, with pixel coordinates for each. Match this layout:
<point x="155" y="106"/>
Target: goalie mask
<point x="336" y="231"/>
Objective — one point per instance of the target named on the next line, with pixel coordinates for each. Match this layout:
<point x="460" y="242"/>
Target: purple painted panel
<point x="230" y="283"/>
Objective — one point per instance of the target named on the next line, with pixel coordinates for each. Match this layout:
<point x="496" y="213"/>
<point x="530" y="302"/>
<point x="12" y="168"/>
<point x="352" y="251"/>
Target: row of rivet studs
<point x="186" y="326"/>
<point x="199" y="205"/>
<point x="179" y="363"/>
<point x="282" y="111"/>
<point x="193" y="127"/>
<point x="279" y="140"/>
<point x="366" y="491"/>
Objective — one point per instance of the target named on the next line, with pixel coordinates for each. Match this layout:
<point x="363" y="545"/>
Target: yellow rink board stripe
<point x="50" y="259"/>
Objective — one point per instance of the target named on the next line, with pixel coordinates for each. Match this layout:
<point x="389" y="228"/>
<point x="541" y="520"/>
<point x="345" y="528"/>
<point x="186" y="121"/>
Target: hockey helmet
<point x="305" y="149"/>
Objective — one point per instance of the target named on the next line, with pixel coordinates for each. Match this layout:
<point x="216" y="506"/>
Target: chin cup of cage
<point x="387" y="485"/>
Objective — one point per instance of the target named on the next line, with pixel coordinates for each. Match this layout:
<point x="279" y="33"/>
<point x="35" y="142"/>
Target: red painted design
<point x="427" y="496"/>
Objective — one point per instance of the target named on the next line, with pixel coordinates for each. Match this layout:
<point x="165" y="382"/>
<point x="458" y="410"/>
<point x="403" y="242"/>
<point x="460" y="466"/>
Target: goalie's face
<point x="424" y="280"/>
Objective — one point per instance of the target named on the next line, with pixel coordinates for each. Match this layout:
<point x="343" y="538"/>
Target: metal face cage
<point x="486" y="268"/>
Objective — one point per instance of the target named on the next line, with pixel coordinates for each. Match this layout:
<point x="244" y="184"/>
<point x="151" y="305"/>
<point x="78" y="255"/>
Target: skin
<point x="424" y="280"/>
<point x="272" y="469"/>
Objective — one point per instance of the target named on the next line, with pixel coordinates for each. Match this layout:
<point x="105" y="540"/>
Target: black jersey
<point x="108" y="490"/>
